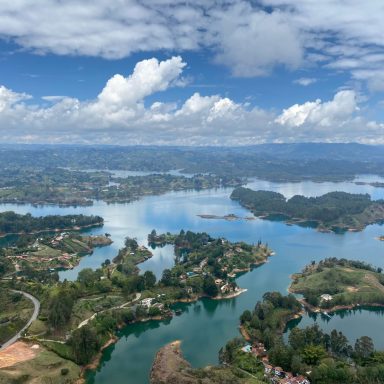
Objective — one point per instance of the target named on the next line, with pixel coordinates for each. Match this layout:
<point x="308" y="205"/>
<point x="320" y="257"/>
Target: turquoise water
<point x="206" y="326"/>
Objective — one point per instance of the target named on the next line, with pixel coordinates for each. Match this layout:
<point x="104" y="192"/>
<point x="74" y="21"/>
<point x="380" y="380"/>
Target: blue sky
<point x="191" y="73"/>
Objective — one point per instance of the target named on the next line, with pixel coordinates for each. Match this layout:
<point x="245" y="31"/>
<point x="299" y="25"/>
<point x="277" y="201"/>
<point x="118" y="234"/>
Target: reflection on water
<point x="354" y="323"/>
<point x="204" y="327"/>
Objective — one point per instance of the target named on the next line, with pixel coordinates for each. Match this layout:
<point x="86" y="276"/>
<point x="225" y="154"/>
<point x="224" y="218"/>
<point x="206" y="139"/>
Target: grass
<point x="15" y="312"/>
<point x="347" y="285"/>
<point x="46" y="367"/>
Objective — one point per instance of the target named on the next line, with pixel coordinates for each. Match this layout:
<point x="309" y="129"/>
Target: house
<point x="225" y="288"/>
<point x="326" y="297"/>
<point x="278" y="371"/>
<point x="247" y="348"/>
<point x="189" y="290"/>
<point x="158" y="305"/>
<point x="268" y="369"/>
<point x="147" y="302"/>
<point x="218" y="282"/>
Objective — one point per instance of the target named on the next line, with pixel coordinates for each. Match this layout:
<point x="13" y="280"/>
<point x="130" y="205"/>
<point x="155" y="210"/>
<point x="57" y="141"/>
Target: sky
<point x="201" y="72"/>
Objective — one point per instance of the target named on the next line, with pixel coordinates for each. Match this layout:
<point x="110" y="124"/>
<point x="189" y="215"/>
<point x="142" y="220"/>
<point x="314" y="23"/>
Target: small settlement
<point x="276" y="375"/>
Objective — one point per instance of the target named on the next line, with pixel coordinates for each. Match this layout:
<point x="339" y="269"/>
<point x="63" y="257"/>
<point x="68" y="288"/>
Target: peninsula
<point x="12" y="223"/>
<point x="334" y="284"/>
<point x="334" y="211"/>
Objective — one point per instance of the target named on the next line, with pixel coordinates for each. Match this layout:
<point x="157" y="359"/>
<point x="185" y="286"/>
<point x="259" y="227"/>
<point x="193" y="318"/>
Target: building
<point x="326" y="297"/>
<point x="147" y="302"/>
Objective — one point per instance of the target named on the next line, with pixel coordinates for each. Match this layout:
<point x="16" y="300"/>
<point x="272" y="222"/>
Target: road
<point x="86" y="321"/>
<point x="36" y="304"/>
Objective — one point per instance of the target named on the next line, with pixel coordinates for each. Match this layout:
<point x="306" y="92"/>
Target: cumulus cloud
<point x="318" y="113"/>
<point x="118" y="115"/>
<point x="248" y="37"/>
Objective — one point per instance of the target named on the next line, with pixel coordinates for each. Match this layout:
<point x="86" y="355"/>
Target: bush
<point x="64" y="371"/>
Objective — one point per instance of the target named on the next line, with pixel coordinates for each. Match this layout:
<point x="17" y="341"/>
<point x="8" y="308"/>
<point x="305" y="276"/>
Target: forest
<point x="11" y="222"/>
<point x="333" y="210"/>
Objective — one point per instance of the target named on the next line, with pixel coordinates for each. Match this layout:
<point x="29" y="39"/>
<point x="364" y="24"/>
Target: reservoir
<point x="204" y="327"/>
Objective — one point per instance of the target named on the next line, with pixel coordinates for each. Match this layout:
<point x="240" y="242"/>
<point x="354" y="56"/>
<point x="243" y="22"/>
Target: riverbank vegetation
<point x="334" y="283"/>
<point x="336" y="211"/>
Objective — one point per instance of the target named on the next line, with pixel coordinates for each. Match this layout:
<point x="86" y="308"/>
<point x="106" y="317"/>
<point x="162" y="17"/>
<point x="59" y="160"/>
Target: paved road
<point x="35" y="313"/>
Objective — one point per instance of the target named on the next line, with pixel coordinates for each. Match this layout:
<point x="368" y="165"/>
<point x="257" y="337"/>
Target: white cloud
<point x="328" y="114"/>
<point x="118" y="116"/>
<point x="252" y="41"/>
<point x="305" y="81"/>
<point x="250" y="38"/>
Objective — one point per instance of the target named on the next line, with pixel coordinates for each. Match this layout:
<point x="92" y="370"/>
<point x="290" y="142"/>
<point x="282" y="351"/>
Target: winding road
<point x="35" y="313"/>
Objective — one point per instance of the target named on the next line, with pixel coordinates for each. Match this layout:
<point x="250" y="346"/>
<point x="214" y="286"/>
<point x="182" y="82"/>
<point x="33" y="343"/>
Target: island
<point x="334" y="211"/>
<point x="334" y="284"/>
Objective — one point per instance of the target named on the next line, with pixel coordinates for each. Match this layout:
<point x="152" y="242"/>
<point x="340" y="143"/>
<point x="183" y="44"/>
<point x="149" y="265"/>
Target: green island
<point x="78" y="319"/>
<point x="13" y="223"/>
<point x="334" y="211"/>
<point x="336" y="284"/>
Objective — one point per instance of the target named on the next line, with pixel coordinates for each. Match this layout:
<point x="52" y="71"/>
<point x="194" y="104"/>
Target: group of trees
<point x="326" y="209"/>
<point x="11" y="222"/>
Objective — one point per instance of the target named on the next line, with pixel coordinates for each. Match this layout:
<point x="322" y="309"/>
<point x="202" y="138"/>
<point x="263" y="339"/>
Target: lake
<point x="204" y="327"/>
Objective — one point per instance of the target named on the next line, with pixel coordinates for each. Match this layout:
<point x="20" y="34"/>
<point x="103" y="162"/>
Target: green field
<point x="346" y="285"/>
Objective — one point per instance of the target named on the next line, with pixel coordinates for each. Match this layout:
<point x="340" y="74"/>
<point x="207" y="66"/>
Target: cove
<point x="204" y="327"/>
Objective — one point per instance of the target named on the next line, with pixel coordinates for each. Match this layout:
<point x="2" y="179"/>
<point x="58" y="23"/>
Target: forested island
<point x="13" y="223"/>
<point x="334" y="211"/>
<point x="335" y="284"/>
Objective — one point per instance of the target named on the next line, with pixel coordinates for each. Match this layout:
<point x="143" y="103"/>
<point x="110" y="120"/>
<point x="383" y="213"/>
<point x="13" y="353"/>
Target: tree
<point x="84" y="344"/>
<point x="209" y="286"/>
<point x="131" y="243"/>
<point x="149" y="279"/>
<point x="364" y="347"/>
<point x="246" y="316"/>
<point x="60" y="308"/>
<point x="166" y="277"/>
<point x="86" y="277"/>
<point x="338" y="343"/>
<point x="312" y="354"/>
